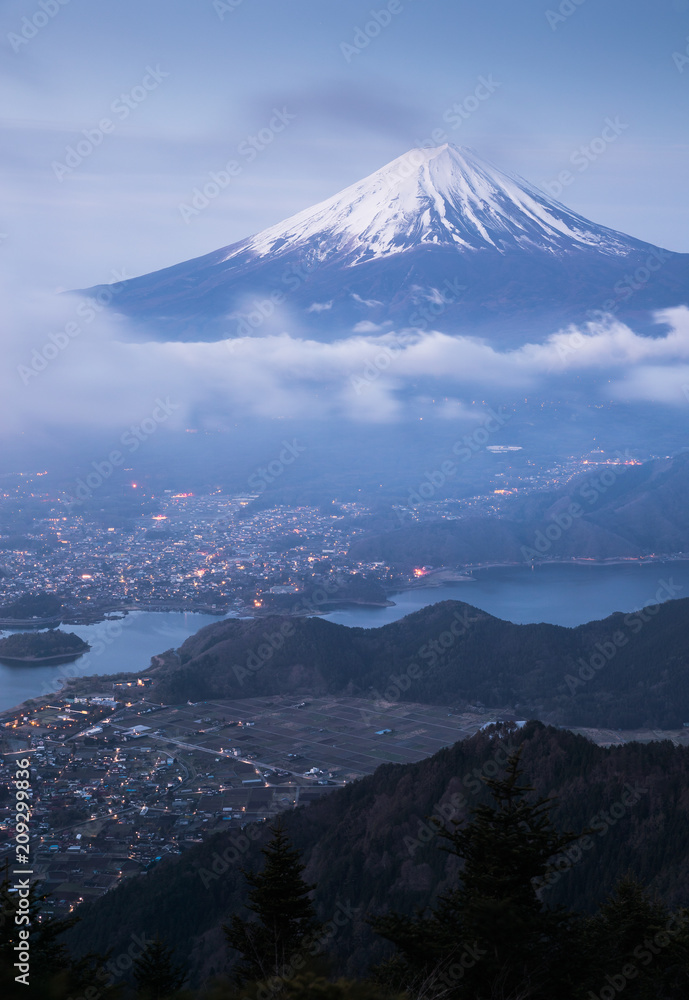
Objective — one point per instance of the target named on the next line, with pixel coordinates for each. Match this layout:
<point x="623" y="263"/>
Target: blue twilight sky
<point x="558" y="70"/>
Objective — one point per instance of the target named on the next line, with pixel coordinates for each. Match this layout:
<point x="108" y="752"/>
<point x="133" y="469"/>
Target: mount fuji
<point x="437" y="239"/>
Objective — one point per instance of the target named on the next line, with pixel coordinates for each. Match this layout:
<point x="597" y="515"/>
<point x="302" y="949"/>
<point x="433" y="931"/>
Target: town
<point x="219" y="552"/>
<point x="118" y="783"/>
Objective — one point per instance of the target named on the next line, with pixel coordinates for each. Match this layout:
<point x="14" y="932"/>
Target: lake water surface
<point x="121" y="645"/>
<point x="560" y="594"/>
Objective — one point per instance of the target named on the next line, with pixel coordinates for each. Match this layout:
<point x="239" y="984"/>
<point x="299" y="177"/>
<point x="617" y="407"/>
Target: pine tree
<point x="491" y="936"/>
<point x="156" y="976"/>
<point x="636" y="943"/>
<point x="279" y="897"/>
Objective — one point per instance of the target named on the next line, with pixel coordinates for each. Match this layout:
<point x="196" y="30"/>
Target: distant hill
<point x="618" y="510"/>
<point x="369" y="846"/>
<point x="27" y="606"/>
<point x="625" y="671"/>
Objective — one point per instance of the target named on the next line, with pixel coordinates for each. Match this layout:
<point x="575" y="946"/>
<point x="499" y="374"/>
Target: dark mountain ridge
<point x="626" y="671"/>
<point x="620" y="510"/>
<point x="372" y="846"/>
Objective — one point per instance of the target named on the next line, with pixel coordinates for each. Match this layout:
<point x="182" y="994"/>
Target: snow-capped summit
<point x="441" y="195"/>
<point x="436" y="239"/>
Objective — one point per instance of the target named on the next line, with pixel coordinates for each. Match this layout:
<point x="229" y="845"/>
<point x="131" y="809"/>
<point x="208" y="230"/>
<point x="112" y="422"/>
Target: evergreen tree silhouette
<point x="637" y="944"/>
<point x="491" y="936"/>
<point x="285" y="917"/>
<point x="156" y="975"/>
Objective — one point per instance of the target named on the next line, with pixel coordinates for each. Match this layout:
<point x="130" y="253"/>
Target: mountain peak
<point x="387" y="249"/>
<point x="437" y="195"/>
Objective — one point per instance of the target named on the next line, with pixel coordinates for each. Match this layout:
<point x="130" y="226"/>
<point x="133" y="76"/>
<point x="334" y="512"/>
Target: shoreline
<point x="434" y="578"/>
<point x="466" y="570"/>
<point x="324" y="608"/>
<point x="589" y="561"/>
<point x="42" y="661"/>
<point x="413" y="586"/>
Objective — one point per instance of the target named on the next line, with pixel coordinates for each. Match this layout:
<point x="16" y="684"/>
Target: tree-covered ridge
<point x="373" y="848"/>
<point x="626" y="671"/>
<point x="494" y="934"/>
<point x="33" y="606"/>
<point x="619" y="511"/>
<point x="36" y="645"/>
<point x="489" y="932"/>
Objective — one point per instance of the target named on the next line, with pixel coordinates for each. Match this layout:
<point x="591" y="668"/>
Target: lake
<point x="564" y="594"/>
<point x="125" y="644"/>
<point x="561" y="594"/>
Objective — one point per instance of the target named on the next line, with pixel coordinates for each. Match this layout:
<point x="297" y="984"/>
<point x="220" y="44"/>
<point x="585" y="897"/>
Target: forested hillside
<point x="620" y="510"/>
<point x="627" y="671"/>
<point x="373" y="846"/>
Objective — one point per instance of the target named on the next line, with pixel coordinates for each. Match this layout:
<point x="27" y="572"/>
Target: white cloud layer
<point x="56" y="377"/>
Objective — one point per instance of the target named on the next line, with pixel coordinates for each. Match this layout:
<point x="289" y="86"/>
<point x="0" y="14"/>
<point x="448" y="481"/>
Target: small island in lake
<point x="42" y="648"/>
